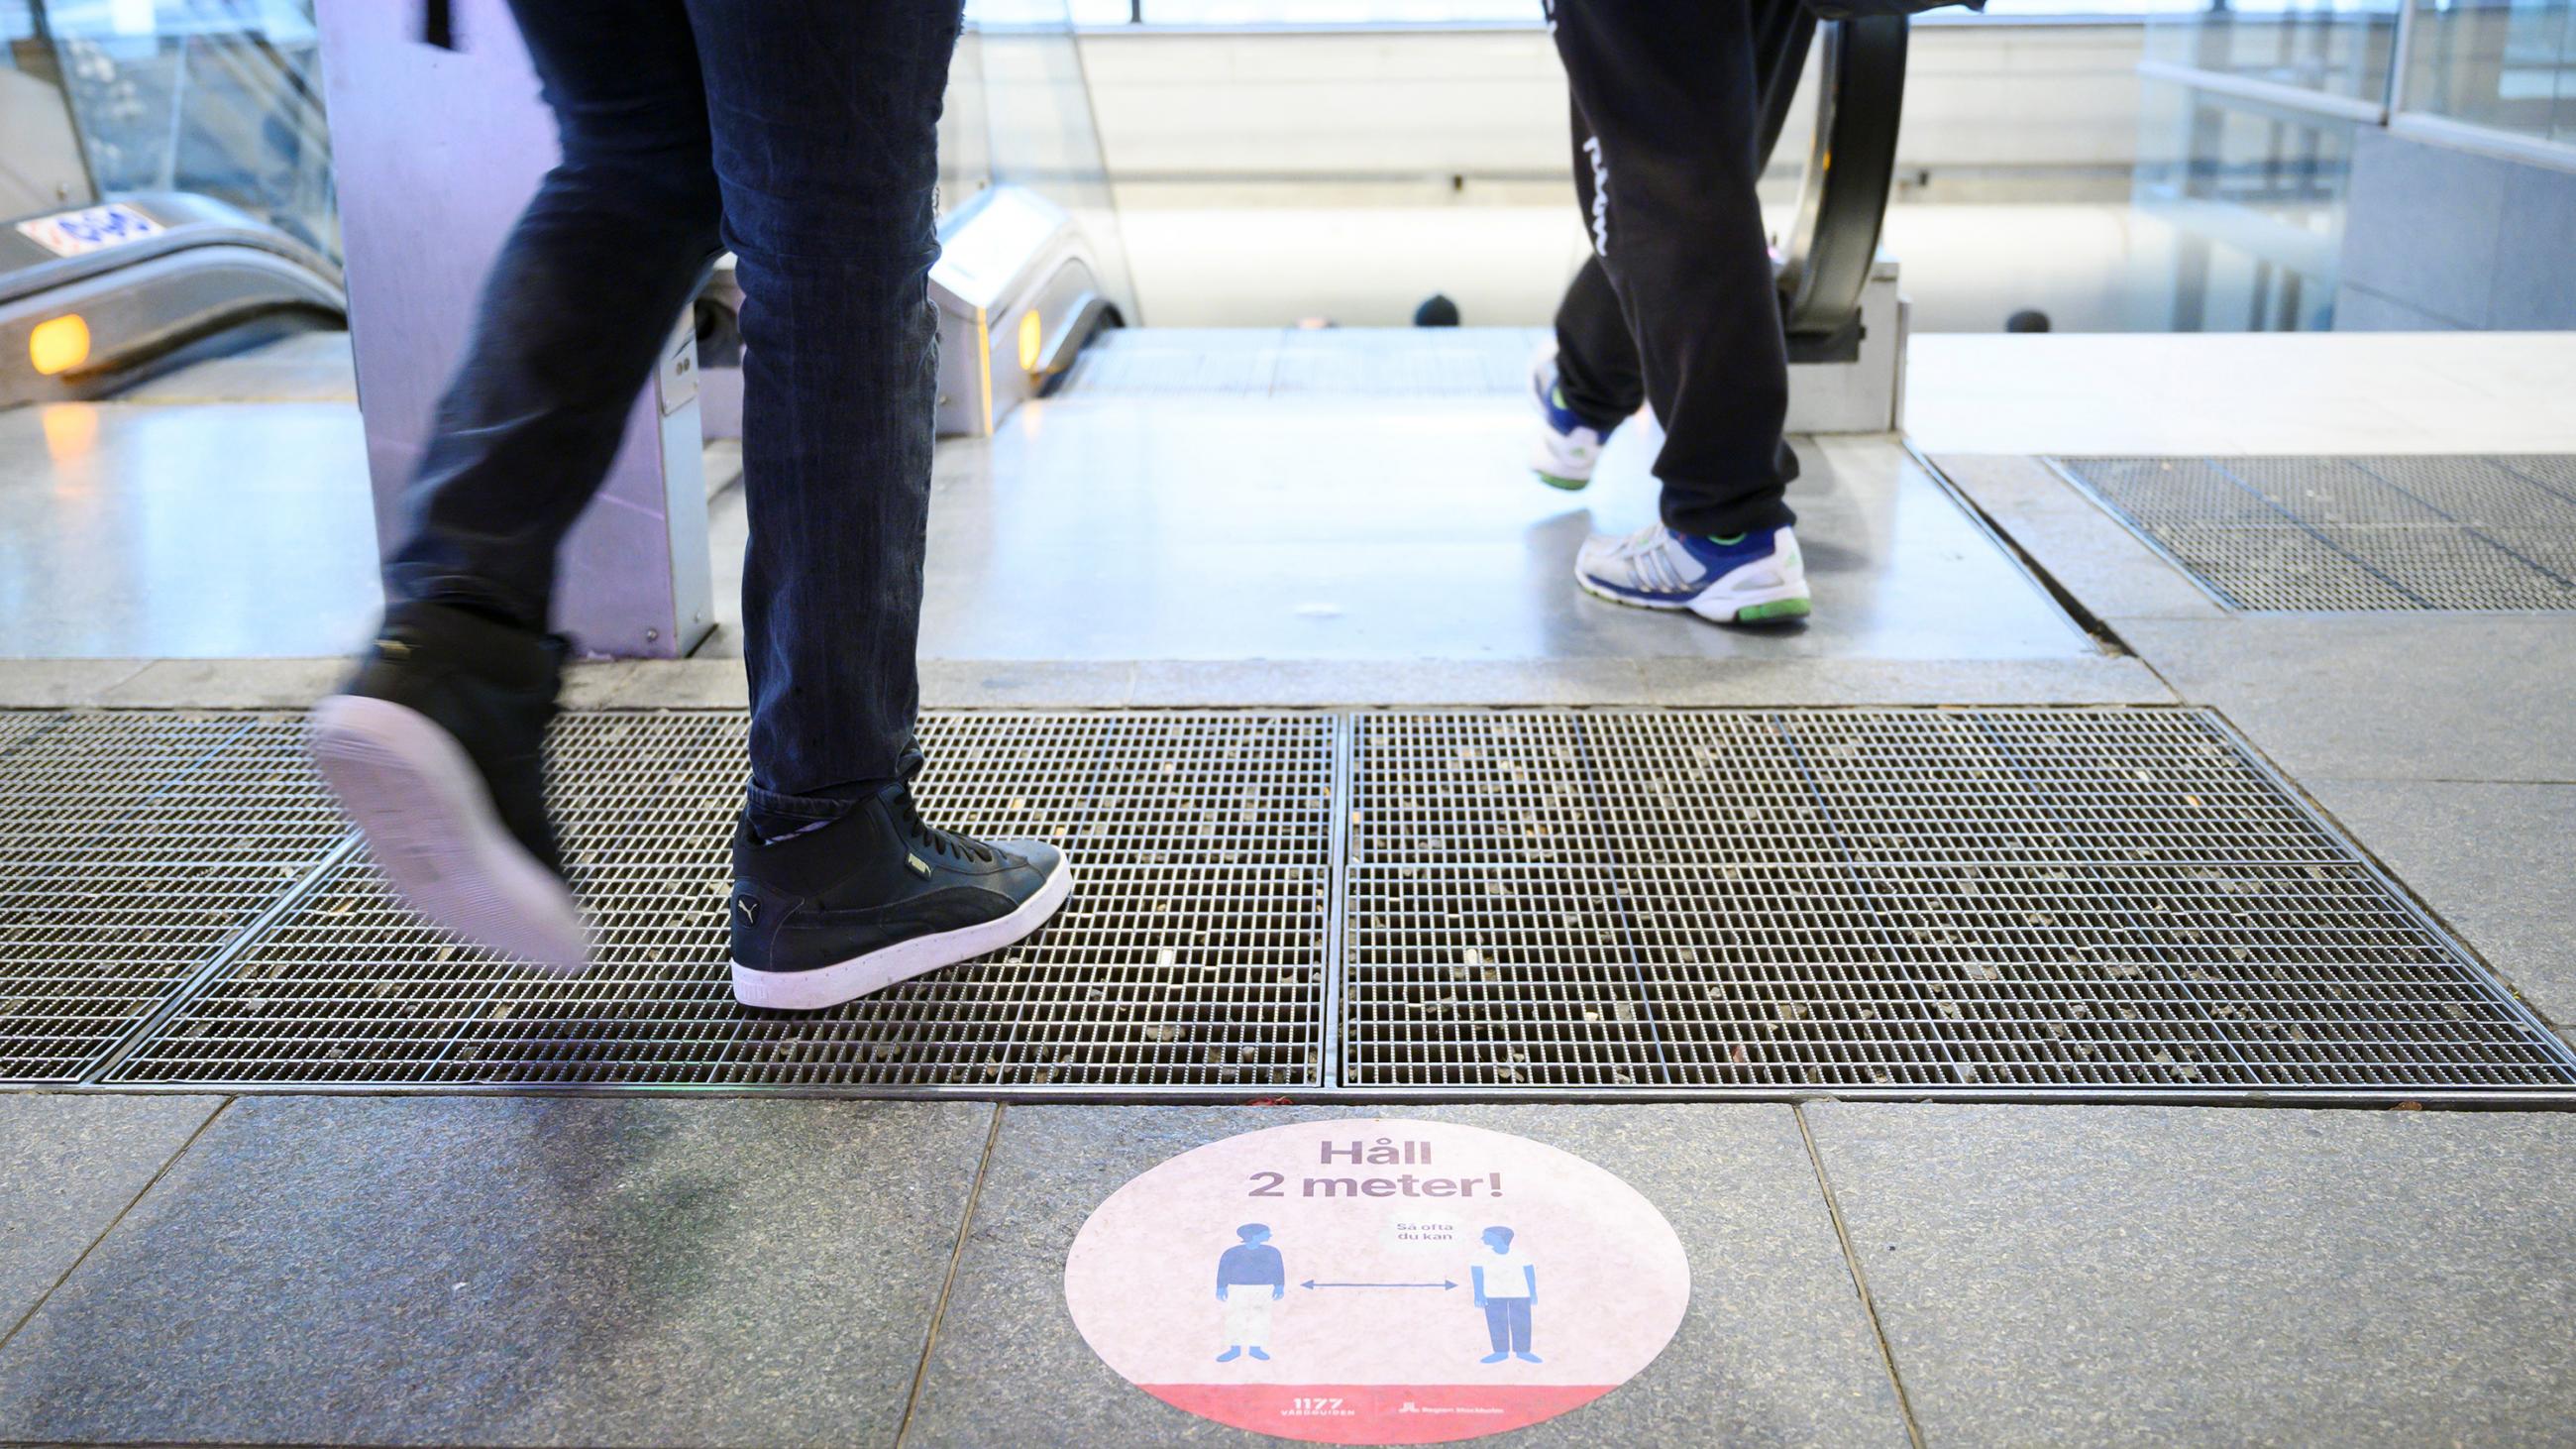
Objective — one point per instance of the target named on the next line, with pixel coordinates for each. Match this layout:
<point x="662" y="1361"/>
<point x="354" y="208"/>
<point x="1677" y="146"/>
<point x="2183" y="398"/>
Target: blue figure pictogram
<point x="1506" y="1288"/>
<point x="1250" y="1276"/>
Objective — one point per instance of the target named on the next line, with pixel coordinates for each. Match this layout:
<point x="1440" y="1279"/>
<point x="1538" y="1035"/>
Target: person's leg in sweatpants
<point x="1587" y="384"/>
<point x="435" y="744"/>
<point x="1669" y="116"/>
<point x="1596" y="360"/>
<point x="825" y="119"/>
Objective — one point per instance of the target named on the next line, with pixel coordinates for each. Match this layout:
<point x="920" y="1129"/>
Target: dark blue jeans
<point x="802" y="135"/>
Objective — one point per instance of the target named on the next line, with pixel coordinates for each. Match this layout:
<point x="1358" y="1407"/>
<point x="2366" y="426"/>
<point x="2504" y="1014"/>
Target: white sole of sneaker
<point x="849" y="980"/>
<point x="1723" y="602"/>
<point x="1562" y="463"/>
<point x="431" y="826"/>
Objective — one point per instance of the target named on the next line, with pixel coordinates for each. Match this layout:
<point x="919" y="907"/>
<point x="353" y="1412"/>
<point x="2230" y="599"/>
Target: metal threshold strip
<point x="1549" y="904"/>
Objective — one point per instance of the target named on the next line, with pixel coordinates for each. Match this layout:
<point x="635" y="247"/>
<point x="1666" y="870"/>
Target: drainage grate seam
<point x="135" y="850"/>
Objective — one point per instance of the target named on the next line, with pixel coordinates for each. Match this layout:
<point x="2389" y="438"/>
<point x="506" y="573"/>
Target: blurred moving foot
<point x="436" y="748"/>
<point x="1567" y="448"/>
<point x="835" y="910"/>
<point x="1755" y="578"/>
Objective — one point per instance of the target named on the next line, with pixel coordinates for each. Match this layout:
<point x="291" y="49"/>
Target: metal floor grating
<point x="2098" y="903"/>
<point x="1191" y="954"/>
<point x="2094" y="903"/>
<point x="2354" y="534"/>
<point x="134" y="848"/>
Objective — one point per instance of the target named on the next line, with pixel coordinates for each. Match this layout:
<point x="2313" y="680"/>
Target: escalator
<point x="1829" y="252"/>
<point x="1020" y="300"/>
<point x="100" y="298"/>
<point x="166" y="197"/>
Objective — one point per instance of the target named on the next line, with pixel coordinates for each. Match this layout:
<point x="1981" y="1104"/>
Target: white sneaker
<point x="1567" y="449"/>
<point x="1755" y="578"/>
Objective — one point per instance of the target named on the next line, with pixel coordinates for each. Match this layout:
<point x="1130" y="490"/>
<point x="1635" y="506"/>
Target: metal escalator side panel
<point x="1783" y="32"/>
<point x="204" y="268"/>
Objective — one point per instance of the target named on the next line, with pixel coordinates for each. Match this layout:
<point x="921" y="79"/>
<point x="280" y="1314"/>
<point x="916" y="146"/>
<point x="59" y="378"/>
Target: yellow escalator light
<point x="58" y="344"/>
<point x="1032" y="339"/>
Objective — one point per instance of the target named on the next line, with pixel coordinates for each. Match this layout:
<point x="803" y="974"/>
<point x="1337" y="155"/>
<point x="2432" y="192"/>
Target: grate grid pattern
<point x="1191" y="953"/>
<point x="2103" y="902"/>
<point x="2354" y="534"/>
<point x="134" y="848"/>
<point x="2094" y="903"/>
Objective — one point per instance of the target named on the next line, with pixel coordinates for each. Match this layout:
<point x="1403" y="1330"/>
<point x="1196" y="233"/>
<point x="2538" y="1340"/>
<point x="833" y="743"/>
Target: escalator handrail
<point x="1851" y="175"/>
<point x="189" y="222"/>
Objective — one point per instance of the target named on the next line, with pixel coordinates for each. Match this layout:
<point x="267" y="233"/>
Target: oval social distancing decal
<point x="1368" y="1281"/>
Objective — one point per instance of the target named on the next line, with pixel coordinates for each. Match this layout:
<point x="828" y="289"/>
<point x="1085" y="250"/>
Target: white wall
<point x="1265" y="177"/>
<point x="1423" y="106"/>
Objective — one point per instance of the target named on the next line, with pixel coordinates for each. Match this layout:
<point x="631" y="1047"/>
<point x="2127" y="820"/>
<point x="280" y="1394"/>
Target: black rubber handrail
<point x="1851" y="171"/>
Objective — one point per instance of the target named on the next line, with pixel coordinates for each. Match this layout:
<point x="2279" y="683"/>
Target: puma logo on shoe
<point x="919" y="866"/>
<point x="749" y="907"/>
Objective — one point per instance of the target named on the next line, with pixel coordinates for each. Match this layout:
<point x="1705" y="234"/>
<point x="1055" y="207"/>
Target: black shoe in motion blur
<point x="436" y="748"/>
<point x="836" y="910"/>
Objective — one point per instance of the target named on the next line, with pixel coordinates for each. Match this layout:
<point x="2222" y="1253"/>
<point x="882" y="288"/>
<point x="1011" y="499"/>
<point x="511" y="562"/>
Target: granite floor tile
<point x="513" y="1271"/>
<point x="69" y="1164"/>
<point x="2145" y="1275"/>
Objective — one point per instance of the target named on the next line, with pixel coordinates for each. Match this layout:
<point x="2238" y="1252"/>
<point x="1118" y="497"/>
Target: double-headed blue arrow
<point x="1311" y="1283"/>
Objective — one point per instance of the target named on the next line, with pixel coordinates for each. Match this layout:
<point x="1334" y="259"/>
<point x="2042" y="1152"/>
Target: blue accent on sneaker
<point x="1561" y="419"/>
<point x="1724" y="554"/>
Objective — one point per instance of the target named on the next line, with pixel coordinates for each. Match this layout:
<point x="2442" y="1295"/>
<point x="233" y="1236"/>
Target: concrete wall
<point x="2440" y="239"/>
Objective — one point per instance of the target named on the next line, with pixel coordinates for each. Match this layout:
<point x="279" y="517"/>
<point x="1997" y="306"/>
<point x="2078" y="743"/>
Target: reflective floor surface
<point x="1341" y="505"/>
<point x="184" y="531"/>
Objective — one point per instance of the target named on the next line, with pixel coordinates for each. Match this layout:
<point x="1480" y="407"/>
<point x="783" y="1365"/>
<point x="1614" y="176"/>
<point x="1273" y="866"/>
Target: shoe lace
<point x="939" y="842"/>
<point x="1644" y="540"/>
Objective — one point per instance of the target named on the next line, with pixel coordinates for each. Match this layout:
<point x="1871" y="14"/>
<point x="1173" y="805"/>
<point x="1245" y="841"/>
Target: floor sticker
<point x="1365" y="1281"/>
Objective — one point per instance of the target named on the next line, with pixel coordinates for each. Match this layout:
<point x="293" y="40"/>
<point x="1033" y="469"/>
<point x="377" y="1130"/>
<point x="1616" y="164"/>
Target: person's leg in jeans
<point x="826" y="123"/>
<point x="819" y="123"/>
<point x="1669" y="117"/>
<point x="436" y="744"/>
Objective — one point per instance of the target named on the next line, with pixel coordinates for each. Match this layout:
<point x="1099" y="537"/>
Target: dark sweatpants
<point x="1676" y="307"/>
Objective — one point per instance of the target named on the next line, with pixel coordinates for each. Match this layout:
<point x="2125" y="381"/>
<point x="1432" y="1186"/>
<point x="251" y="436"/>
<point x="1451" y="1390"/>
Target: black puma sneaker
<point x="436" y="748"/>
<point x="837" y="910"/>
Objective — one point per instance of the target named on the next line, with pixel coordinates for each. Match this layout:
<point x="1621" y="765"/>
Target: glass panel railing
<point x="2340" y="48"/>
<point x="965" y="131"/>
<point x="2255" y="195"/>
<point x="2507" y="65"/>
<point x="1020" y="68"/>
<point x="41" y="168"/>
<point x="222" y="98"/>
